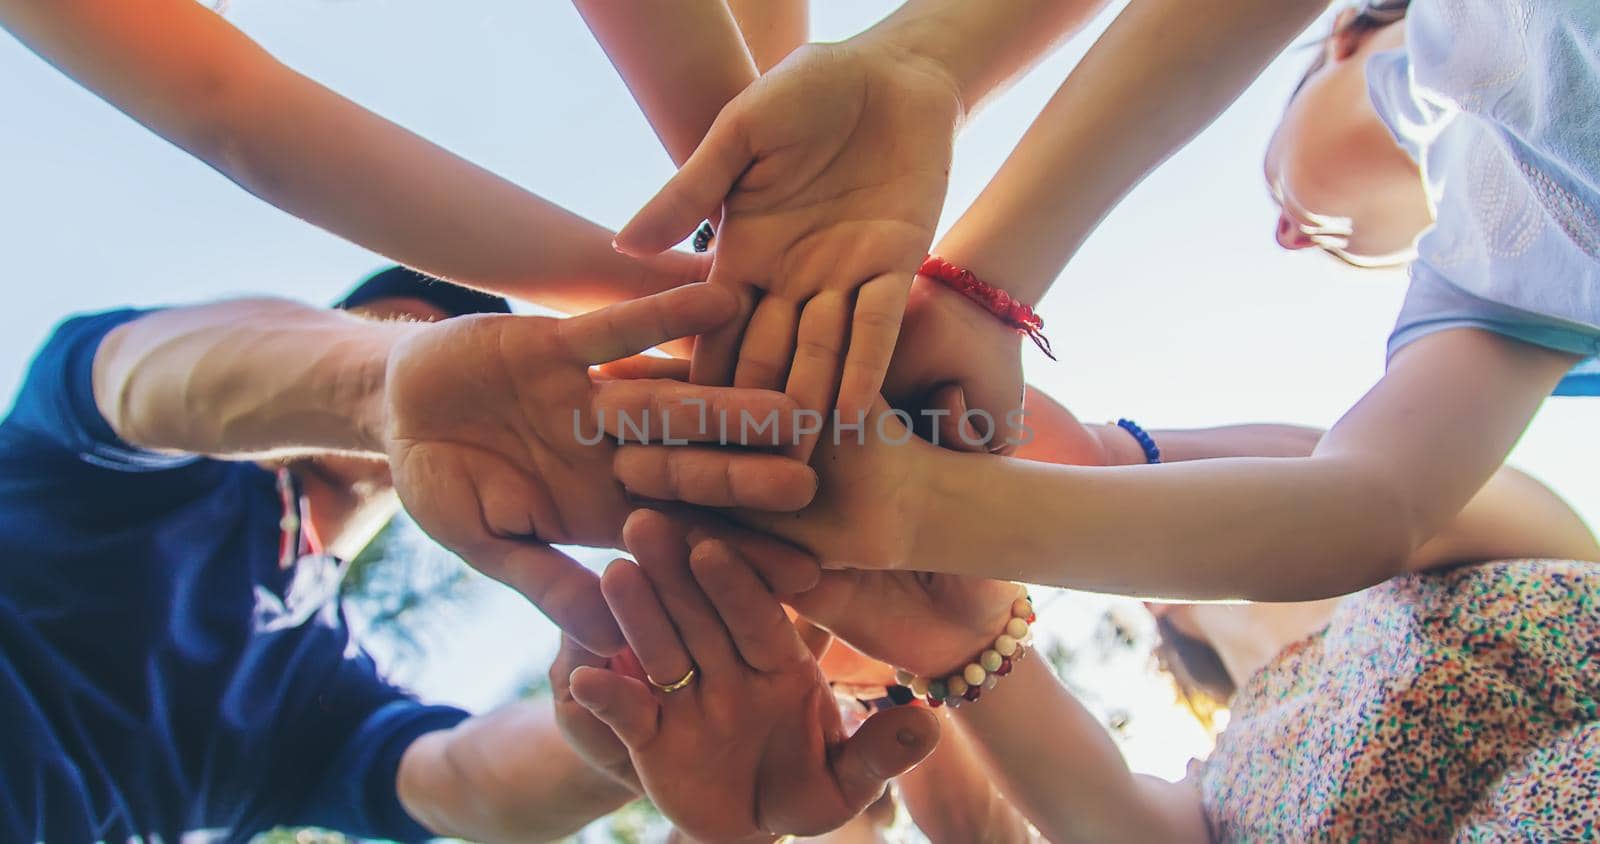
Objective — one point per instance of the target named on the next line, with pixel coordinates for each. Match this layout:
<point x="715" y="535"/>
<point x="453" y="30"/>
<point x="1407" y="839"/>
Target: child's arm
<point x="683" y="61"/>
<point x="187" y="75"/>
<point x="1389" y="477"/>
<point x="1075" y="786"/>
<point x="951" y="796"/>
<point x="1160" y="74"/>
<point x="508" y="775"/>
<point x="1393" y="473"/>
<point x="1514" y="515"/>
<point x="772" y="28"/>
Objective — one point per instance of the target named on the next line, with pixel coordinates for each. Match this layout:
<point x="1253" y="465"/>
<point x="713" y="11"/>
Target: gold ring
<point x="669" y="688"/>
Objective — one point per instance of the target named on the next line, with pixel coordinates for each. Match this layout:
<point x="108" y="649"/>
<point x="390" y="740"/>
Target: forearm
<point x="951" y="796"/>
<point x="187" y="75"/>
<point x="1181" y="445"/>
<point x="981" y="46"/>
<point x="772" y="29"/>
<point x="683" y="61"/>
<point x="247" y="378"/>
<point x="1159" y="75"/>
<point x="1253" y="528"/>
<point x="1389" y="476"/>
<point x="1514" y="515"/>
<point x="1075" y="786"/>
<point x="505" y="776"/>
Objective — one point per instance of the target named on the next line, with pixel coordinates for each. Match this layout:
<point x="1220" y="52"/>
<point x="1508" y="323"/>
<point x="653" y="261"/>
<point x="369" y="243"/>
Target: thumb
<point x="622" y="703"/>
<point x="890" y="743"/>
<point x="953" y="433"/>
<point x="695" y="193"/>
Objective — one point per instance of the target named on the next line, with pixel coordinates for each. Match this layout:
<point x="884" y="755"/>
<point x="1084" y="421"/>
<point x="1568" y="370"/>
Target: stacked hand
<point x="872" y="493"/>
<point x="489" y="424"/>
<point x="953" y="357"/>
<point x="827" y="176"/>
<point x="751" y="745"/>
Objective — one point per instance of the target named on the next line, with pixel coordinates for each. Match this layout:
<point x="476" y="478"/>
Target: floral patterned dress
<point x="1447" y="706"/>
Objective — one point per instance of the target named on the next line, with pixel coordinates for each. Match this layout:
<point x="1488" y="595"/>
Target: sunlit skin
<point x="1341" y="182"/>
<point x="351" y="497"/>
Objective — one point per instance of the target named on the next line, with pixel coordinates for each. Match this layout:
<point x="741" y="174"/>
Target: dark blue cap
<point x="406" y="283"/>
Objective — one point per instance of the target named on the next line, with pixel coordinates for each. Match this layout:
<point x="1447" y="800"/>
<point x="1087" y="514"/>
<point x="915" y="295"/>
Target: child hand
<point x="948" y="342"/>
<point x="752" y="743"/>
<point x="873" y="490"/>
<point x="929" y="624"/>
<point x="829" y="174"/>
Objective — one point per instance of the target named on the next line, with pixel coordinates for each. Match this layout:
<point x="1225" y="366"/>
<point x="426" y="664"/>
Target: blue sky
<point x="1181" y="311"/>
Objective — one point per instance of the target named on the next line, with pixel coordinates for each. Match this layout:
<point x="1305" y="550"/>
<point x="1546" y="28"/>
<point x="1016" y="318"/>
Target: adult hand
<point x="956" y="361"/>
<point x="828" y="174"/>
<point x="489" y="423"/>
<point x="753" y="745"/>
<point x="588" y="736"/>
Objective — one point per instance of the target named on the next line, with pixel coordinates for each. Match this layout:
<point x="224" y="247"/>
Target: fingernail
<point x="908" y="738"/>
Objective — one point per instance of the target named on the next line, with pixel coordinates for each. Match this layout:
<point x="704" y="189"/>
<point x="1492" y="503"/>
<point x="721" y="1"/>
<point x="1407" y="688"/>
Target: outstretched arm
<point x="953" y="797"/>
<point x="772" y="29"/>
<point x="1397" y="485"/>
<point x="683" y="61"/>
<point x="505" y="776"/>
<point x="1076" y="786"/>
<point x="1160" y="74"/>
<point x="486" y="421"/>
<point x="192" y="78"/>
<point x="1390" y="476"/>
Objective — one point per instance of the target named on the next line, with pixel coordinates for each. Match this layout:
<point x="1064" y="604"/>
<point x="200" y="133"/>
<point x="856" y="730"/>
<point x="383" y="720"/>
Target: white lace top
<point x="1499" y="101"/>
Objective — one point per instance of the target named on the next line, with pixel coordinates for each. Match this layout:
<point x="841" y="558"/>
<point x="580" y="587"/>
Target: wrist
<point x="417" y="781"/>
<point x="983" y="668"/>
<point x="938" y="512"/>
<point x="365" y="385"/>
<point x="1118" y="446"/>
<point x="971" y="316"/>
<point x="922" y="58"/>
<point x="1022" y="688"/>
<point x="978" y="242"/>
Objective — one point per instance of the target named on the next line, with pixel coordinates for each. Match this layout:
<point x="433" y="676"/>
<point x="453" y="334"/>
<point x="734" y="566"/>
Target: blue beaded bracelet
<point x="1152" y="452"/>
<point x="703" y="236"/>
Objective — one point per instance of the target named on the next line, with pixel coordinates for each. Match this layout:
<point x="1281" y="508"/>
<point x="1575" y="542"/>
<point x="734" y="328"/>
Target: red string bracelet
<point x="1018" y="316"/>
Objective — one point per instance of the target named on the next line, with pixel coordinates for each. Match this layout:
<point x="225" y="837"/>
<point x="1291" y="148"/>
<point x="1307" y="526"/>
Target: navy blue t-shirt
<point x="161" y="670"/>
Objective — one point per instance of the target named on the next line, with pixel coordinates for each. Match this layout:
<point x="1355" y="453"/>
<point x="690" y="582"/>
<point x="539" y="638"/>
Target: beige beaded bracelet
<point x="968" y="684"/>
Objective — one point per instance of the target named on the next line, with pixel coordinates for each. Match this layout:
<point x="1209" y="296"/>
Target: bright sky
<point x="1181" y="311"/>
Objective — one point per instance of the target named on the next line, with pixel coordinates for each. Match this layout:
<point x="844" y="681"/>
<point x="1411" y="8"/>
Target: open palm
<point x="482" y="423"/>
<point x="828" y="175"/>
<point x="754" y="744"/>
